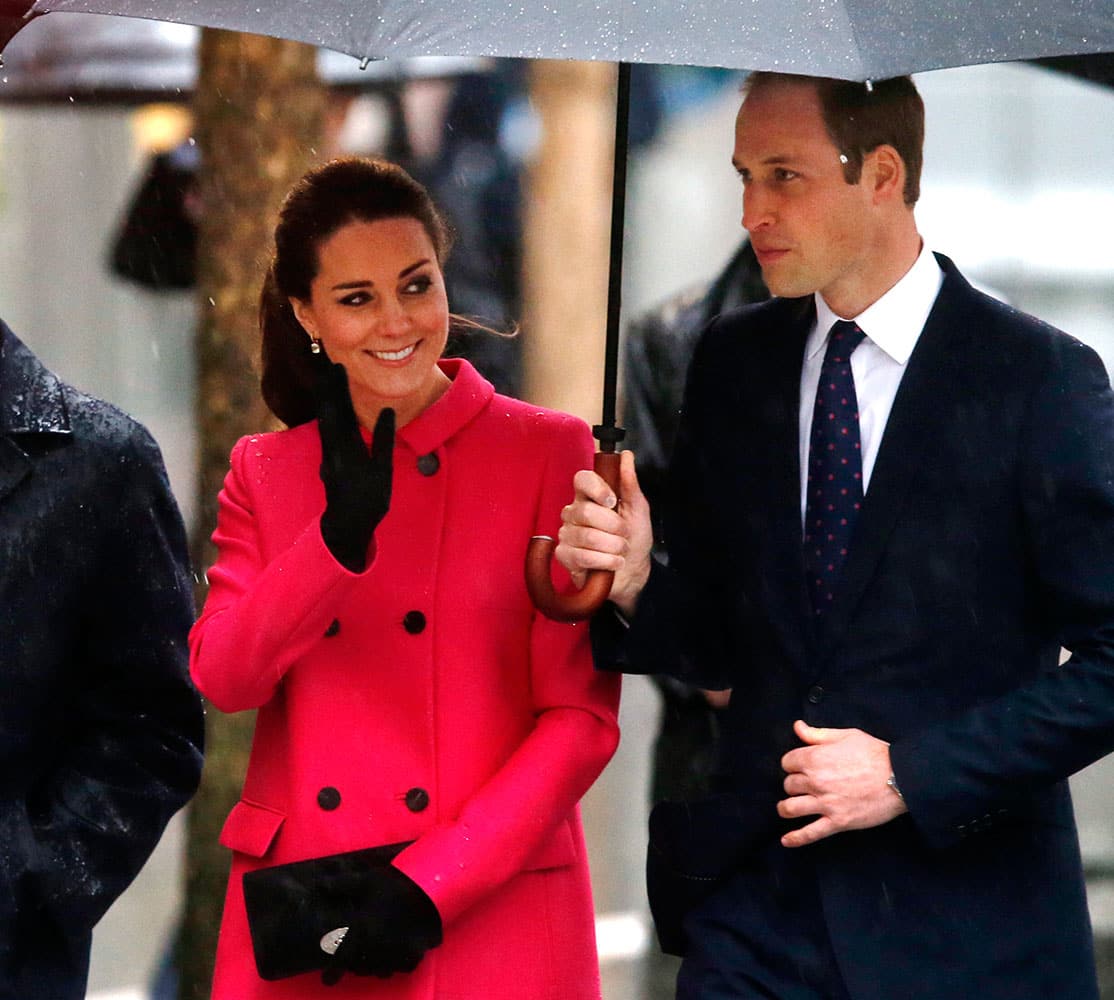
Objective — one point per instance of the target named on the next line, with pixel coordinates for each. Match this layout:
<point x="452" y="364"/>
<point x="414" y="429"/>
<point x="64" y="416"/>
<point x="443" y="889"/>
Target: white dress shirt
<point x="892" y="326"/>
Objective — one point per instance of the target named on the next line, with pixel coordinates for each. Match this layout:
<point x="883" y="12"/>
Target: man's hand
<point x="840" y="776"/>
<point x="602" y="531"/>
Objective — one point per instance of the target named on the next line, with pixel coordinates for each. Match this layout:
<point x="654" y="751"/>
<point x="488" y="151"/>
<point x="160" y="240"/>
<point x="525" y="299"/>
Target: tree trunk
<point x="566" y="223"/>
<point x="258" y="110"/>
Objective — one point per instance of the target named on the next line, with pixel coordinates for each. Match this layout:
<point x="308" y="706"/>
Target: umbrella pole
<point x="607" y="432"/>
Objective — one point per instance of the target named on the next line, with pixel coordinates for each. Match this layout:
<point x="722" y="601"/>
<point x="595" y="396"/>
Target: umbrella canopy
<point x="132" y="60"/>
<point x="850" y="39"/>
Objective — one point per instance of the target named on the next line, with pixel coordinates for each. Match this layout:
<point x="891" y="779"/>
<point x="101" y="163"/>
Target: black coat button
<point x="414" y="622"/>
<point x="815" y="694"/>
<point x="328" y="798"/>
<point x="333" y="629"/>
<point x="429" y="464"/>
<point x="417" y="799"/>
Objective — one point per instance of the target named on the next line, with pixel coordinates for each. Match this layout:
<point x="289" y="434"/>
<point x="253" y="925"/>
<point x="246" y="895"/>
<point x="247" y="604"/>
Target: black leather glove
<point x="357" y="483"/>
<point x="390" y="928"/>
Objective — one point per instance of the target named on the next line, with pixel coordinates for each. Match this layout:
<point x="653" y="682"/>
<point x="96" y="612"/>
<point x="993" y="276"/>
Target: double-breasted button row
<point x="413" y="621"/>
<point x="416" y="799"/>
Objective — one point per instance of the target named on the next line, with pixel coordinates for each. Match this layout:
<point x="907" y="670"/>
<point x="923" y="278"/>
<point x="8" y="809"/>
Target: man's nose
<point x="757" y="209"/>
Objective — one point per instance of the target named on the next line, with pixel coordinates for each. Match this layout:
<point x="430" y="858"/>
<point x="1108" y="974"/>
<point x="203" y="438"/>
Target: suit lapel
<point x="780" y="569"/>
<point x="920" y="413"/>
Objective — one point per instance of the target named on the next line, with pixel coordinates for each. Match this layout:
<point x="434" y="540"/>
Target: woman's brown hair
<point x="325" y="200"/>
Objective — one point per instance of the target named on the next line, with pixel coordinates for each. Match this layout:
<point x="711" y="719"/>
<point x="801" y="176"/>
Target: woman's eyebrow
<point x="368" y="283"/>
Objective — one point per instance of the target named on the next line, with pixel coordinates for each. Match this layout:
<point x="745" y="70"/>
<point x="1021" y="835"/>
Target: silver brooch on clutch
<point x="331" y="940"/>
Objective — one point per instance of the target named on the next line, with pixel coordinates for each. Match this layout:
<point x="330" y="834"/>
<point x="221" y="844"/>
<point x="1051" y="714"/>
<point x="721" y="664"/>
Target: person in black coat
<point x="100" y="728"/>
<point x="891" y="505"/>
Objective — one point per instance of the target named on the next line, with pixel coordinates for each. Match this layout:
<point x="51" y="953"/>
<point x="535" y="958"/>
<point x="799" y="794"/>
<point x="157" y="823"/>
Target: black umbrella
<point x="849" y="39"/>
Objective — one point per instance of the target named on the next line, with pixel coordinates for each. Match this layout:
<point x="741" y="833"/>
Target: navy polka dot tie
<point x="835" y="467"/>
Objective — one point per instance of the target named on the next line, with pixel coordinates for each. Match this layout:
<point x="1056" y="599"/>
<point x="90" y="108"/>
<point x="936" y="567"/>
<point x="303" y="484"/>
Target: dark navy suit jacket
<point x="985" y="543"/>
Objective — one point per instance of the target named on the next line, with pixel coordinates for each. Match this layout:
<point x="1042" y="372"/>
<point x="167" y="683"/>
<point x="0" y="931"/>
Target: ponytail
<point x="287" y="382"/>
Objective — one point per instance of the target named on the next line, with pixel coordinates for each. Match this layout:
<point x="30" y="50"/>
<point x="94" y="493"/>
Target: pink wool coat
<point x="423" y="699"/>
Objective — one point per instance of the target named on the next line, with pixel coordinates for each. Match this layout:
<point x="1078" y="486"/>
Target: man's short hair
<point x="861" y="117"/>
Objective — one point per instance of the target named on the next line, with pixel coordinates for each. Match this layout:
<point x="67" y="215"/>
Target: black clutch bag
<point x="295" y="909"/>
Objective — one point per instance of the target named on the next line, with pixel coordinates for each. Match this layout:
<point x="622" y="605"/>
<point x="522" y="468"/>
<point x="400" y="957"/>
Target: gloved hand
<point x="390" y="929"/>
<point x="357" y="483"/>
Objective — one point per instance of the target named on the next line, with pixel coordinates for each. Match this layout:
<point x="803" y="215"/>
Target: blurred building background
<point x="1016" y="190"/>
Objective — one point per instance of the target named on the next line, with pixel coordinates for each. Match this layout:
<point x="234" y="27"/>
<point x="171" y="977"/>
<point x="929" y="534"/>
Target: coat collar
<point x="31" y="402"/>
<point x="468" y="395"/>
<point x="31" y="397"/>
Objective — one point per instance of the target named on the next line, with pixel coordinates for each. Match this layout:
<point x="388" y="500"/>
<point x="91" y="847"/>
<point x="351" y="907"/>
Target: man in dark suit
<point x="100" y="727"/>
<point x="891" y="504"/>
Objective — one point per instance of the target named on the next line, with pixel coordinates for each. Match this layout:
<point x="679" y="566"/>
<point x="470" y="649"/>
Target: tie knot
<point x="844" y="336"/>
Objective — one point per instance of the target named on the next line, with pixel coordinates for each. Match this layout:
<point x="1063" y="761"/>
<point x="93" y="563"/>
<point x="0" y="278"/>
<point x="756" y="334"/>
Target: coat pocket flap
<point x="558" y="850"/>
<point x="251" y="828"/>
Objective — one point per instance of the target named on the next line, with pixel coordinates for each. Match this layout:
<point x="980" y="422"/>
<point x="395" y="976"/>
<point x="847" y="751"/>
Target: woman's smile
<point x="402" y="354"/>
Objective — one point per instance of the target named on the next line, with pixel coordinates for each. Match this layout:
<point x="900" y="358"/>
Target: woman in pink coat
<point x="369" y="601"/>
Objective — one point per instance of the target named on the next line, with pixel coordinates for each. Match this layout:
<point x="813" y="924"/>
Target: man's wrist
<point x="626" y="598"/>
<point x="624" y="609"/>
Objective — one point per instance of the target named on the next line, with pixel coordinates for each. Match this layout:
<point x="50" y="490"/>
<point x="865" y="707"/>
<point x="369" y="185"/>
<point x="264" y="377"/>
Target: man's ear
<point x="303" y="313"/>
<point x="884" y="170"/>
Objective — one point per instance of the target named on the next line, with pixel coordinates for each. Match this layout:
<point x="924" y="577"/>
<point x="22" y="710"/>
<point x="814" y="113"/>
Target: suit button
<point x="414" y="622"/>
<point x="328" y="798"/>
<point x="815" y="694"/>
<point x="333" y="629"/>
<point x="429" y="464"/>
<point x="417" y="799"/>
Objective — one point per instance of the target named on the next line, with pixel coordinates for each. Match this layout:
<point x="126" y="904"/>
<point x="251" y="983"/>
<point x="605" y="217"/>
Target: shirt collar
<point x="894" y="322"/>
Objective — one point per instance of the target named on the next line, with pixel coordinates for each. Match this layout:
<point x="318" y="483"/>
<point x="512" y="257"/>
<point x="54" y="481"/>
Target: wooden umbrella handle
<point x="581" y="604"/>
